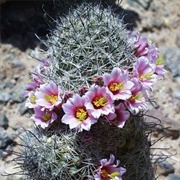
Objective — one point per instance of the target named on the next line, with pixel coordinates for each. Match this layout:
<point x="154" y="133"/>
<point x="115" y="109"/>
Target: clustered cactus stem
<point x="89" y="98"/>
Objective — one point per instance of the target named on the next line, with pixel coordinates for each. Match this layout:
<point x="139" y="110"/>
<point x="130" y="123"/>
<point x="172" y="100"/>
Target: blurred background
<point x="21" y="21"/>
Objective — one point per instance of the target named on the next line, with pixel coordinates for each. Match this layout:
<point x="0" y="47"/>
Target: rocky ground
<point x="157" y="20"/>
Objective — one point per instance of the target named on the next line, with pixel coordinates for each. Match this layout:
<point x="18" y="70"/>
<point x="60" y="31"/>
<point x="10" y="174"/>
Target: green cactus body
<point x="87" y="43"/>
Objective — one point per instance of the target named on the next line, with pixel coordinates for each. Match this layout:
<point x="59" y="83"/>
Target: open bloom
<point x="120" y="116"/>
<point x="118" y="84"/>
<point x="48" y="95"/>
<point x="144" y="71"/>
<point x="43" y="118"/>
<point x="108" y="170"/>
<point x="76" y="114"/>
<point x="99" y="101"/>
<point x="137" y="100"/>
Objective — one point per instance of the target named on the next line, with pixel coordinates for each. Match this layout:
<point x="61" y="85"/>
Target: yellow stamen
<point x="28" y="80"/>
<point x="160" y="61"/>
<point x="113" y="175"/>
<point x="81" y="114"/>
<point x="32" y="99"/>
<point x="51" y="98"/>
<point x="146" y="76"/>
<point x="100" y="102"/>
<point x="104" y="173"/>
<point x="136" y="97"/>
<point x="46" y="117"/>
<point x="115" y="86"/>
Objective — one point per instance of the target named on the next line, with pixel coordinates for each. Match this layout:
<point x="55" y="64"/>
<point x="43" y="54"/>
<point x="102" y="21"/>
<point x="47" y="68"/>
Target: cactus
<point x="89" y="41"/>
<point x="83" y="112"/>
<point x="53" y="156"/>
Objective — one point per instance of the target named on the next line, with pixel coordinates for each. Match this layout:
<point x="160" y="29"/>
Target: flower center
<point x="136" y="97"/>
<point x="51" y="98"/>
<point x="145" y="76"/>
<point x="46" y="117"/>
<point x="160" y="61"/>
<point x="148" y="75"/>
<point x="115" y="86"/>
<point x="81" y="114"/>
<point x="32" y="99"/>
<point x="99" y="102"/>
<point x="104" y="173"/>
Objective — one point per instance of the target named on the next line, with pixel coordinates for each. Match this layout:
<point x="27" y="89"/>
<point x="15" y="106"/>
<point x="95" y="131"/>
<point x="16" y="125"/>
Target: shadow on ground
<point x="21" y="20"/>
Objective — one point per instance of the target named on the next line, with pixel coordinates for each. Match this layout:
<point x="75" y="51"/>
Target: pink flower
<point x="159" y="66"/>
<point x="118" y="84"/>
<point x="48" y="95"/>
<point x="144" y="71"/>
<point x="44" y="66"/>
<point x="108" y="170"/>
<point x="120" y="116"/>
<point x="137" y="100"/>
<point x="139" y="43"/>
<point x="142" y="46"/>
<point x="43" y="118"/>
<point x="157" y="60"/>
<point x="76" y="114"/>
<point x="99" y="101"/>
<point x="32" y="85"/>
<point x="153" y="53"/>
<point x="31" y="100"/>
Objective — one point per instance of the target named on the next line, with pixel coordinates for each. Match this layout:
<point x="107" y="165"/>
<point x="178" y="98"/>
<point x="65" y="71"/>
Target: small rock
<point x="165" y="168"/>
<point x="5" y="139"/>
<point x="143" y="3"/>
<point x="10" y="83"/>
<point x="7" y="151"/>
<point x="157" y="23"/>
<point x="178" y="39"/>
<point x="22" y="109"/>
<point x="172" y="56"/>
<point x="8" y="57"/>
<point x="2" y="76"/>
<point x="176" y="94"/>
<point x="3" y="121"/>
<point x="4" y="97"/>
<point x="16" y="95"/>
<point x="18" y="64"/>
<point x="173" y="177"/>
